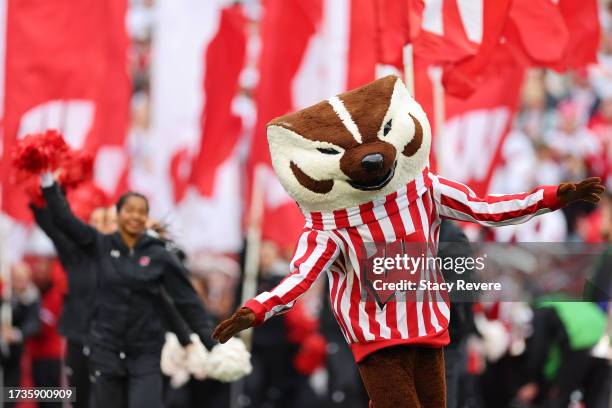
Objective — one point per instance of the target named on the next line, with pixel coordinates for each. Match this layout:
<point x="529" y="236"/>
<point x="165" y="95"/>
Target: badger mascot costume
<point x="357" y="165"/>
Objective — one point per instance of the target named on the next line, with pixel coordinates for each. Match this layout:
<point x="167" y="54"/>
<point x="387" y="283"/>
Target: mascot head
<point x="352" y="148"/>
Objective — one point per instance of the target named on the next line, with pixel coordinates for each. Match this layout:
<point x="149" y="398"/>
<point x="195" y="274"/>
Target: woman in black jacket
<point x="134" y="271"/>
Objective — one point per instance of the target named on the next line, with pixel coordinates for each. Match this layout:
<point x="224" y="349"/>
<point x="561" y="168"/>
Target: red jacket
<point x="48" y="343"/>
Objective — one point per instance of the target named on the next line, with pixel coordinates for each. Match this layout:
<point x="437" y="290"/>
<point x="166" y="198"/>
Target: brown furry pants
<point x="405" y="377"/>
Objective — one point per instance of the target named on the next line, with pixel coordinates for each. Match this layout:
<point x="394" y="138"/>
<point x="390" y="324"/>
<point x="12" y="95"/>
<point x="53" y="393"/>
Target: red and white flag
<point x="200" y="118"/>
<point x="333" y="48"/>
<point x="65" y="67"/>
<point x="469" y="147"/>
<point x="221" y="126"/>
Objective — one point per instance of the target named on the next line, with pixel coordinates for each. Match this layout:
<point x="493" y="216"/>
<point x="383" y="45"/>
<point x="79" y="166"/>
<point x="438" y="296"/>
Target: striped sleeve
<point x="457" y="201"/>
<point x="315" y="253"/>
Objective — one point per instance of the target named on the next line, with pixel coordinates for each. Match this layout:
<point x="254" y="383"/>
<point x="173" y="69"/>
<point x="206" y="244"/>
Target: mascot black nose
<point x="372" y="162"/>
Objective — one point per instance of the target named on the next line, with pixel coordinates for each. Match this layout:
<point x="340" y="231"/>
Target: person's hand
<point x="589" y="189"/>
<point x="10" y="335"/>
<point x="242" y="319"/>
<point x="160" y="229"/>
<point x="527" y="392"/>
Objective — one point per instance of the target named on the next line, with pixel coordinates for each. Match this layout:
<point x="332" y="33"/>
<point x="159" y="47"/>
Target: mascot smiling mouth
<point x="378" y="184"/>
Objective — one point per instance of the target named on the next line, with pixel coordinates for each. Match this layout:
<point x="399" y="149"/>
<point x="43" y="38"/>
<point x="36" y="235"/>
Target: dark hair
<point x="123" y="199"/>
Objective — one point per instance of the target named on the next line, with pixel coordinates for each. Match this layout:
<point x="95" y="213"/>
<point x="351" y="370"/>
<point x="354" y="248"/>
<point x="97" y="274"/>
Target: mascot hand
<point x="241" y="320"/>
<point x="589" y="189"/>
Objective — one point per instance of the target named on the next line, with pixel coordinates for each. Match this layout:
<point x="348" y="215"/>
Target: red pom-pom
<point x="39" y="152"/>
<point x="312" y="354"/>
<point x="77" y="167"/>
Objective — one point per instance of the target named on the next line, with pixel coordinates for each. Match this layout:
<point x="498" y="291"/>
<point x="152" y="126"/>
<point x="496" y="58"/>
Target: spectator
<point x="25" y="306"/>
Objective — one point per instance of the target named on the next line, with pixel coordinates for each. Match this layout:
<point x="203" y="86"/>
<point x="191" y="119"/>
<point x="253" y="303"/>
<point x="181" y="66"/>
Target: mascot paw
<point x="241" y="320"/>
<point x="589" y="189"/>
<point x="197" y="358"/>
<point x="230" y="361"/>
<point x="172" y="356"/>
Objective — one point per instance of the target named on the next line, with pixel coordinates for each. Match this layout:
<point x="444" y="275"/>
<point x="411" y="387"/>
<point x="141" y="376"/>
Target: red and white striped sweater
<point x="333" y="242"/>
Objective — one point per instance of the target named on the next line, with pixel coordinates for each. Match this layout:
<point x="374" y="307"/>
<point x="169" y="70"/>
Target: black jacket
<point x="80" y="301"/>
<point x="129" y="314"/>
<point x="454" y="244"/>
<point x="25" y="314"/>
<point x="80" y="268"/>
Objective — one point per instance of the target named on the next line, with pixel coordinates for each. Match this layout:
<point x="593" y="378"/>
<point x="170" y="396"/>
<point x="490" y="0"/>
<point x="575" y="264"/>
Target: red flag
<point x="475" y="128"/>
<point x="284" y="45"/>
<point x="65" y="68"/>
<point x="398" y="23"/>
<point x="537" y="28"/>
<point x="582" y="21"/>
<point x="462" y="79"/>
<point x="333" y="48"/>
<point x="461" y="37"/>
<point x="362" y="46"/>
<point x="221" y="128"/>
<point x="451" y="30"/>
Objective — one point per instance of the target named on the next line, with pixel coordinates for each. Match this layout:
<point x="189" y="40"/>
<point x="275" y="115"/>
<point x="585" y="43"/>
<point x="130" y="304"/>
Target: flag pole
<point x="435" y="73"/>
<point x="253" y="244"/>
<point x="6" y="313"/>
<point x="408" y="57"/>
<point x="251" y="265"/>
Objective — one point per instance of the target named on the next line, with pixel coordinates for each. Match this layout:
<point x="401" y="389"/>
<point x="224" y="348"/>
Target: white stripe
<point x="433" y="239"/>
<point x="381" y="315"/>
<point x="345" y="304"/>
<point x="458" y="215"/>
<point x="354" y="216"/>
<point x="381" y="318"/>
<point x="419" y="302"/>
<point x="364" y="322"/>
<point x="482" y="207"/>
<point x="305" y="268"/>
<point x="400" y="315"/>
<point x="345" y="117"/>
<point x="302" y="246"/>
<point x="331" y="275"/>
<point x="308" y="223"/>
<point x="385" y="223"/>
<point x="425" y="224"/>
<point x="298" y="276"/>
<point x="405" y="214"/>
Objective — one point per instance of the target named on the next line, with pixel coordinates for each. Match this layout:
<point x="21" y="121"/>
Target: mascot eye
<point x="387" y="128"/>
<point x="328" y="150"/>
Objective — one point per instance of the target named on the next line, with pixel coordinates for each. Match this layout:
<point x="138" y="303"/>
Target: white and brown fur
<point x="317" y="152"/>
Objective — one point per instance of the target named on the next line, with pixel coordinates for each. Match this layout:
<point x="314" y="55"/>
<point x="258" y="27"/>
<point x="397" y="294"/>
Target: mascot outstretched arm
<point x="357" y="165"/>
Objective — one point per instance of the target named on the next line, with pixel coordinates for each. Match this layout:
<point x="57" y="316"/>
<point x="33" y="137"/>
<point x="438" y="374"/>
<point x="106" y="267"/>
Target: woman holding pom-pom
<point x="135" y="272"/>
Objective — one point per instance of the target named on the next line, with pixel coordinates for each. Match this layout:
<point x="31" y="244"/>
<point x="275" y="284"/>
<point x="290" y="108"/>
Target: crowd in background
<point x="563" y="131"/>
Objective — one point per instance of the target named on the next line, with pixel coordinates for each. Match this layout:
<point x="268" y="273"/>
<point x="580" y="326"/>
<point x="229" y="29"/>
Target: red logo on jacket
<point x="144" y="261"/>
